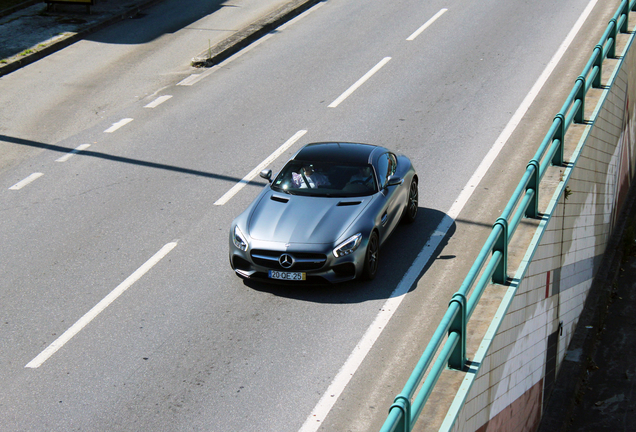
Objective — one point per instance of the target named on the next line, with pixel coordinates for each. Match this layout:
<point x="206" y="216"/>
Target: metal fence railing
<point x="491" y="262"/>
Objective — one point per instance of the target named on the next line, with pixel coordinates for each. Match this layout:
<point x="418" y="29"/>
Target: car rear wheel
<point x="371" y="257"/>
<point x="411" y="205"/>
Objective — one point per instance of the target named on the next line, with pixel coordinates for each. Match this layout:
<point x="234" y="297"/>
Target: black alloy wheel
<point x="411" y="205"/>
<point x="372" y="256"/>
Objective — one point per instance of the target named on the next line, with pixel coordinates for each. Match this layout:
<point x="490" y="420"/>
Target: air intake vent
<point x="348" y="203"/>
<point x="280" y="199"/>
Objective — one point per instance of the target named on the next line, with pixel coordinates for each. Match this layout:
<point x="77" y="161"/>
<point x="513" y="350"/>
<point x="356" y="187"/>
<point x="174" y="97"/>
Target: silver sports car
<point x="325" y="215"/>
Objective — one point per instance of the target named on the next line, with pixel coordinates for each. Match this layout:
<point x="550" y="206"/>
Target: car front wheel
<point x="411" y="205"/>
<point x="371" y="257"/>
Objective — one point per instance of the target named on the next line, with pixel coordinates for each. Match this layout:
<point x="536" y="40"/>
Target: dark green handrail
<point x="493" y="257"/>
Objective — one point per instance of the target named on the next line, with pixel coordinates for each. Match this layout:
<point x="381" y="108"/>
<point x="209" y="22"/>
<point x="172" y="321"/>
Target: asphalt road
<point x="188" y="345"/>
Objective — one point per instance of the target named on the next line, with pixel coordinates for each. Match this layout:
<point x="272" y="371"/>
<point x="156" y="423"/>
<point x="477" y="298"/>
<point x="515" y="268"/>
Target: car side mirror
<point x="267" y="175"/>
<point x="394" y="181"/>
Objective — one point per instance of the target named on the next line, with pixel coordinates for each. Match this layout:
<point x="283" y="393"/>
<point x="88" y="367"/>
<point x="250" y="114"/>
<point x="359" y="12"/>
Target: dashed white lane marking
<point x="99" y="307"/>
<point x="426" y="25"/>
<point x="19" y="185"/>
<point x="195" y="78"/>
<point x="337" y="386"/>
<point x="120" y="123"/>
<point x="358" y="83"/>
<point x="72" y="153"/>
<point x="155" y="103"/>
<point x="240" y="185"/>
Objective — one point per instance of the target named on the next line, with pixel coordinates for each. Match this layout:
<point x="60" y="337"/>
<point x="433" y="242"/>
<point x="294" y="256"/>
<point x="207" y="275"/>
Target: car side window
<point x="387" y="164"/>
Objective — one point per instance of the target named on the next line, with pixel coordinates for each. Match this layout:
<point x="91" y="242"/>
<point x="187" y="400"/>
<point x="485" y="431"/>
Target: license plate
<point x="292" y="276"/>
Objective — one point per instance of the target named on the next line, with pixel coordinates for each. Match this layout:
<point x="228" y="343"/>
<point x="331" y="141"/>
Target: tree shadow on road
<point x="121" y="159"/>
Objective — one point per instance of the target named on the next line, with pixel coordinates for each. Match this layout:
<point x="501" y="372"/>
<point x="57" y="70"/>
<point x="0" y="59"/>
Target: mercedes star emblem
<point x="286" y="261"/>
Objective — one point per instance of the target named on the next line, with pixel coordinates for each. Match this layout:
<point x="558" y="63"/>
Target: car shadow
<point x="396" y="257"/>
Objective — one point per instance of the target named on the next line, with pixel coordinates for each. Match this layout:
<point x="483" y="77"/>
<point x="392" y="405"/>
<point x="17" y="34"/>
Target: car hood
<point x="301" y="219"/>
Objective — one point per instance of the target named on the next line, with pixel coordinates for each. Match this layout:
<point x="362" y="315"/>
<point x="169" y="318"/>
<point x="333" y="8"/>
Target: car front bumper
<point x="316" y="261"/>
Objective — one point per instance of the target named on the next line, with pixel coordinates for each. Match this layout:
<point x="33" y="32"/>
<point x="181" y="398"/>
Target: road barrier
<point x="491" y="263"/>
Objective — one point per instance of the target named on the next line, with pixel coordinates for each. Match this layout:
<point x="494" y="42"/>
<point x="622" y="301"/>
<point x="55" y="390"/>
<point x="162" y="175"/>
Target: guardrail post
<point x="598" y="62"/>
<point x="579" y="116"/>
<point x="625" y="11"/>
<point x="611" y="53"/>
<point x="557" y="159"/>
<point x="403" y="404"/>
<point x="500" y="276"/>
<point x="457" y="359"/>
<point x="533" y="207"/>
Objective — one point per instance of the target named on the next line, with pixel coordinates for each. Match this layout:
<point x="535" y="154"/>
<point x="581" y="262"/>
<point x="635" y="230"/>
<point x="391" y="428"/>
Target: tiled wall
<point x="540" y="314"/>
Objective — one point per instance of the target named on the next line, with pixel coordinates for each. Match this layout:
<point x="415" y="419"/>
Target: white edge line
<point x="155" y="103"/>
<point x="72" y="153"/>
<point x="329" y="398"/>
<point x="99" y="307"/>
<point x="241" y="184"/>
<point x="521" y="111"/>
<point x="117" y="125"/>
<point x="358" y="83"/>
<point x="299" y="17"/>
<point x="417" y="32"/>
<point x="346" y="372"/>
<point x="19" y="185"/>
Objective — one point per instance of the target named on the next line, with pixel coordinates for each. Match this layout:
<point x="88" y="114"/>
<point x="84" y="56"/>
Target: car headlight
<point x="348" y="246"/>
<point x="239" y="239"/>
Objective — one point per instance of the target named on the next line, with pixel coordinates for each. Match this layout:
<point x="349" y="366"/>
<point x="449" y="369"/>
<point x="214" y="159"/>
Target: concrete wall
<point x="527" y="342"/>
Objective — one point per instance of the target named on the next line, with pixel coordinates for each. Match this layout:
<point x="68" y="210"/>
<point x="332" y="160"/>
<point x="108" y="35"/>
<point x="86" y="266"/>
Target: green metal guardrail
<point x="494" y="254"/>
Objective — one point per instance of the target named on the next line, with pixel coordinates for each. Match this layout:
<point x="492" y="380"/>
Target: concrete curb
<point x="251" y="33"/>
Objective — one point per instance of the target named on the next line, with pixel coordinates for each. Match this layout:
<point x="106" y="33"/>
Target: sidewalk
<point x="32" y="32"/>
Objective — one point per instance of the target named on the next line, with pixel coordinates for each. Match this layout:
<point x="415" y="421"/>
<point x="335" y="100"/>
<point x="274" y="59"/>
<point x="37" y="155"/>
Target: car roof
<point x="349" y="153"/>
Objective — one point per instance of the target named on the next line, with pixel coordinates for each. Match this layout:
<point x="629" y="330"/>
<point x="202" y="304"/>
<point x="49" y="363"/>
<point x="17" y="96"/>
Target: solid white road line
<point x="346" y="372"/>
<point x="523" y="108"/>
<point x="72" y="153"/>
<point x="417" y="32"/>
<point x="117" y="125"/>
<point x="99" y="307"/>
<point x="337" y="386"/>
<point x="299" y="17"/>
<point x="240" y="185"/>
<point x="155" y="103"/>
<point x="358" y="83"/>
<point x="19" y="185"/>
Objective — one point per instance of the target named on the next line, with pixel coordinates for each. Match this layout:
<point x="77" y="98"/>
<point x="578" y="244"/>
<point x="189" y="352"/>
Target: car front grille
<point x="302" y="261"/>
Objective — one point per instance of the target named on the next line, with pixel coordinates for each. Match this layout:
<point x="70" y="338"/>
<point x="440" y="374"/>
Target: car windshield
<point x="325" y="179"/>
